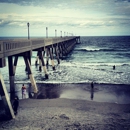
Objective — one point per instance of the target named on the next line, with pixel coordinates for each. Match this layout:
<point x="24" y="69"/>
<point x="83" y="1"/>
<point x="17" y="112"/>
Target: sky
<point x="72" y="17"/>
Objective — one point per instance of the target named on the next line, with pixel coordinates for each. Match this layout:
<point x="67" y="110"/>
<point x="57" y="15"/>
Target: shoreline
<point x="42" y="82"/>
<point x="113" y="93"/>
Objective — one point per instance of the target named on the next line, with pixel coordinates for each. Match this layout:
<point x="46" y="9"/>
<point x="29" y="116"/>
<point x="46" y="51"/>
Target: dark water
<point x="92" y="60"/>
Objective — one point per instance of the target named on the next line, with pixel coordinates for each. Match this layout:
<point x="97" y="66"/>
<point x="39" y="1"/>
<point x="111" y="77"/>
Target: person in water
<point x="114" y="67"/>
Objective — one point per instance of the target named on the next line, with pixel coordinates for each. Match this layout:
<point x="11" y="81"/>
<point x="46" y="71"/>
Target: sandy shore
<point x="69" y="114"/>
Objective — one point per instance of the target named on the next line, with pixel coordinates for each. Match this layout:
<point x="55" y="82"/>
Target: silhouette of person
<point x="15" y="104"/>
<point x="92" y="90"/>
<point x="92" y="85"/>
<point x="114" y="67"/>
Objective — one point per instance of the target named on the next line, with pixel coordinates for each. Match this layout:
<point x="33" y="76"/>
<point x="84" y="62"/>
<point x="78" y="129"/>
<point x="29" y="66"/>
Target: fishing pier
<point x="46" y="48"/>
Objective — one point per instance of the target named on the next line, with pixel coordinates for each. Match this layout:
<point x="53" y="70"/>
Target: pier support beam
<point x="56" y="53"/>
<point x="11" y="77"/>
<point x="28" y="55"/>
<point x="15" y="64"/>
<point x="51" y="57"/>
<point x="33" y="83"/>
<point x="47" y="57"/>
<point x="64" y="49"/>
<point x="2" y="62"/>
<point x="43" y="64"/>
<point x="36" y="62"/>
<point x="40" y="64"/>
<point x="5" y="98"/>
<point x="60" y="50"/>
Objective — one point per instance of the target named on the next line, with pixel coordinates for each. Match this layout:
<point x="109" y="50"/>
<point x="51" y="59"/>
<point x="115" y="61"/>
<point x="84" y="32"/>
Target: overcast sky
<point x="80" y="17"/>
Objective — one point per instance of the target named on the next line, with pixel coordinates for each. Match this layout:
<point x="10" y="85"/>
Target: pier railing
<point x="16" y="46"/>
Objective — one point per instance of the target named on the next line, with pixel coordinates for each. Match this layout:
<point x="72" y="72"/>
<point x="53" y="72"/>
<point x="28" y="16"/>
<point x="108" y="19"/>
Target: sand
<point x="69" y="114"/>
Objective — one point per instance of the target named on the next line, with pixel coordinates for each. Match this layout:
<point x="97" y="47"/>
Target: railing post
<point x="11" y="77"/>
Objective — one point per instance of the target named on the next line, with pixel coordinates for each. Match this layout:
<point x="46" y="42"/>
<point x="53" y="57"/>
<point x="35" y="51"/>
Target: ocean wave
<point x="102" y="50"/>
<point x="76" y="64"/>
<point x="87" y="81"/>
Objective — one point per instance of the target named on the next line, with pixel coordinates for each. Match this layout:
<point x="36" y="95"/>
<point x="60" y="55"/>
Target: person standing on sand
<point x="24" y="91"/>
<point x="15" y="104"/>
<point x="92" y="85"/>
<point x="92" y="90"/>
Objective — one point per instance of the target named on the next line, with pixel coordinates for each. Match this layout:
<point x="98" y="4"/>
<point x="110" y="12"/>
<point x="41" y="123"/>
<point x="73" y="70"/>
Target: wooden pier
<point x="15" y="48"/>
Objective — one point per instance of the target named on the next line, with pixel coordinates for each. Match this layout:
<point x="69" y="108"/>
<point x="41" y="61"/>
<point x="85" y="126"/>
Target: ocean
<point x="90" y="61"/>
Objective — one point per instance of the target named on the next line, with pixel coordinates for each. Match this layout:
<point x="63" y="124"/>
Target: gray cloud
<point x="111" y="7"/>
<point x="45" y="3"/>
<point x="122" y="0"/>
<point x="69" y="13"/>
<point x="20" y="21"/>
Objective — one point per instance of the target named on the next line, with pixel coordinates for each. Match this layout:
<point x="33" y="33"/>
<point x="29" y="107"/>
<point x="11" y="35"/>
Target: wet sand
<point x="60" y="113"/>
<point x="113" y="93"/>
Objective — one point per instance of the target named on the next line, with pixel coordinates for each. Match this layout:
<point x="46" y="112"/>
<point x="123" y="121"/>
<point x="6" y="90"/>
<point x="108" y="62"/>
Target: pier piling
<point x="15" y="64"/>
<point x="37" y="58"/>
<point x="5" y="99"/>
<point x="51" y="57"/>
<point x="56" y="53"/>
<point x="43" y="64"/>
<point x="11" y="77"/>
<point x="33" y="83"/>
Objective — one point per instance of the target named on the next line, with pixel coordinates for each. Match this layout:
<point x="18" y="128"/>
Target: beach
<point x="60" y="113"/>
<point x="66" y="100"/>
<point x="68" y="114"/>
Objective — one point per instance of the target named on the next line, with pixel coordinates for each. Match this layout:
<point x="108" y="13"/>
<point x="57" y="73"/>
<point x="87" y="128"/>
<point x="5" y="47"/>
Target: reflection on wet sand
<point x="47" y="92"/>
<point x="92" y="91"/>
<point x="82" y="91"/>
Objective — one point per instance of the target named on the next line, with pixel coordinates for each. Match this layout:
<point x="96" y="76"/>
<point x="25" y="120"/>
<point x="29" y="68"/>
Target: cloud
<point x="40" y="21"/>
<point x="111" y="7"/>
<point x="69" y="14"/>
<point x="46" y="3"/>
<point x="122" y="0"/>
